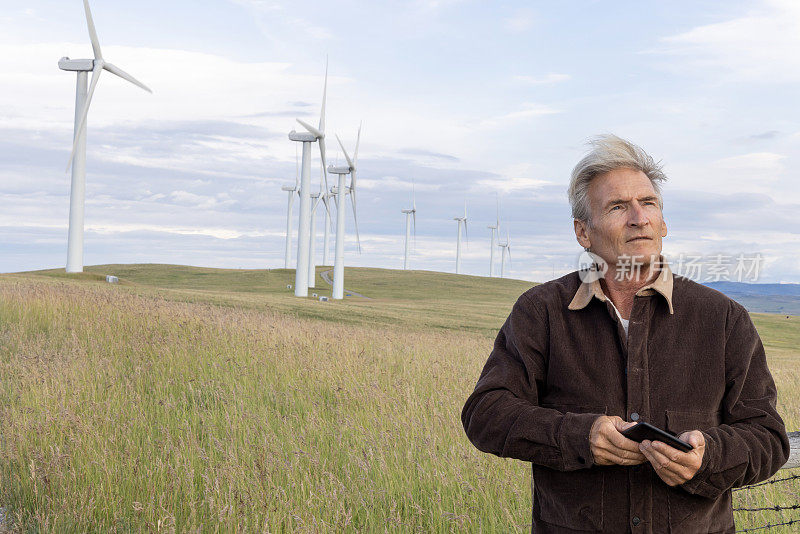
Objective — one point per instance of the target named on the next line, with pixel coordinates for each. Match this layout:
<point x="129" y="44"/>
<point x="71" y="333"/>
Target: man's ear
<point x="663" y="228"/>
<point x="582" y="233"/>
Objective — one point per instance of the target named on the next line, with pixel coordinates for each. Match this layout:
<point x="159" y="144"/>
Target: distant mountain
<point x="762" y="298"/>
<point x="742" y="288"/>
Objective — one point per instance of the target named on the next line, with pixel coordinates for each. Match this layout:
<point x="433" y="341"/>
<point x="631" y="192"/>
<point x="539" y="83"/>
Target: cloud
<point x="772" y="134"/>
<point x="759" y="47"/>
<point x="221" y="200"/>
<point x="395" y="183"/>
<point x="756" y="165"/>
<point x="272" y="15"/>
<point x="434" y="5"/>
<point x="528" y="110"/>
<point x="515" y="178"/>
<point x="427" y="154"/>
<point x="522" y="21"/>
<point x="547" y="79"/>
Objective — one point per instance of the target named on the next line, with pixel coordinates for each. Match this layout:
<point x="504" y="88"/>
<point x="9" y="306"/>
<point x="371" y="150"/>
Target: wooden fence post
<point x="794" y="455"/>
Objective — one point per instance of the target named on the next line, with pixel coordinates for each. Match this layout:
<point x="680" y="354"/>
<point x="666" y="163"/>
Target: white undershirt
<point x="623" y="321"/>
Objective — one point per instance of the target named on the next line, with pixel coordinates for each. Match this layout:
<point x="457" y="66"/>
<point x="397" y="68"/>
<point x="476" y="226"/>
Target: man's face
<point x="625" y="218"/>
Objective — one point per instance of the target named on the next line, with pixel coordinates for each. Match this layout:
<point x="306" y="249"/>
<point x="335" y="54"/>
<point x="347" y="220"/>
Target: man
<point x="584" y="357"/>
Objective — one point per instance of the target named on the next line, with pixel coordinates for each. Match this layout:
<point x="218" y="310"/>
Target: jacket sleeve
<point x="750" y="444"/>
<point x="503" y="416"/>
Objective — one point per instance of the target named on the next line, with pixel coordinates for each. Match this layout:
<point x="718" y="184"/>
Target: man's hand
<point x="673" y="466"/>
<point x="609" y="447"/>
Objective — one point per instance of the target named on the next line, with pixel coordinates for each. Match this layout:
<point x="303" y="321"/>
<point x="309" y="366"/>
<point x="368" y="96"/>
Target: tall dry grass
<point x="122" y="412"/>
<point x="126" y="412"/>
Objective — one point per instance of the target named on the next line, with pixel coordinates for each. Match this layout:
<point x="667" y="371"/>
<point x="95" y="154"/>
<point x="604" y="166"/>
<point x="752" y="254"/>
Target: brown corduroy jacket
<point x="692" y="360"/>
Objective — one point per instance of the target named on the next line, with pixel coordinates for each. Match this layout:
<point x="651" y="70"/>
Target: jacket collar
<point x="661" y="285"/>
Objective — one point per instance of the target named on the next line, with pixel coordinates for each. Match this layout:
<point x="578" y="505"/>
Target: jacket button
<point x="634" y="416"/>
<point x="636" y="521"/>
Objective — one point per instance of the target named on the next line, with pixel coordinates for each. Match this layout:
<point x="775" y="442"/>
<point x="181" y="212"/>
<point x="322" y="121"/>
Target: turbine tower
<point x="495" y="232"/>
<point x="312" y="265"/>
<point x="506" y="248"/>
<point x="292" y="191"/>
<point x="312" y="135"/>
<point x="326" y="197"/>
<point x="341" y="192"/>
<point x="458" y="241"/>
<point x="413" y="213"/>
<point x="77" y="157"/>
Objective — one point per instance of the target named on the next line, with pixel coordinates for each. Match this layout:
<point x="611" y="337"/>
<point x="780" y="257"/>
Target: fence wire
<point x="775" y="508"/>
<point x="793" y="477"/>
<point x="770" y="525"/>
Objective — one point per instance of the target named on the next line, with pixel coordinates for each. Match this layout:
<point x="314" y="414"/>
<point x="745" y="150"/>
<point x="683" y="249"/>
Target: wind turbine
<point x="495" y="231"/>
<point x="292" y="191"/>
<point x="506" y="247"/>
<point x="312" y="135"/>
<point x="77" y="157"/>
<point x="413" y="213"/>
<point x="341" y="193"/>
<point x="458" y="242"/>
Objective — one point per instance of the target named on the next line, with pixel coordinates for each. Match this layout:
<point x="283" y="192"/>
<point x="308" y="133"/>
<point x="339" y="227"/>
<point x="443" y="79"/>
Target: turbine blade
<point x="296" y="168"/>
<point x="353" y="180"/>
<point x="355" y="219"/>
<point x="124" y="75"/>
<point x="414" y="221"/>
<point x="324" y="98"/>
<point x="310" y="128"/>
<point x="327" y="207"/>
<point x="92" y="32"/>
<point x="466" y="231"/>
<point x="324" y="163"/>
<point x="82" y="123"/>
<point x="358" y="140"/>
<point x="346" y="156"/>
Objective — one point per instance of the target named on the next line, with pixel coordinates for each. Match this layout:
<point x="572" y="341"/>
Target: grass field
<point x="193" y="399"/>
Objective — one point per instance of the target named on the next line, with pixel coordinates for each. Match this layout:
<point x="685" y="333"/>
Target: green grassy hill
<point x="411" y="299"/>
<point x="195" y="399"/>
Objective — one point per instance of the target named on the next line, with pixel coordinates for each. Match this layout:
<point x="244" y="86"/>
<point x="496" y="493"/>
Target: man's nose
<point x="637" y="215"/>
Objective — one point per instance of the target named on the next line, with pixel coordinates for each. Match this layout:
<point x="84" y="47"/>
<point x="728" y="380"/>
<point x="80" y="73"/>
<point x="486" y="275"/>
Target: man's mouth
<point x="640" y="238"/>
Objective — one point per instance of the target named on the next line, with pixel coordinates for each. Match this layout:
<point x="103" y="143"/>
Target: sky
<point x="468" y="101"/>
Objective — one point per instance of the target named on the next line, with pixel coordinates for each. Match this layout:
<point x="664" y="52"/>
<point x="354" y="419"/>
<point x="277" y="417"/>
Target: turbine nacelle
<point x="338" y="170"/>
<point x="305" y="137"/>
<point x="76" y="65"/>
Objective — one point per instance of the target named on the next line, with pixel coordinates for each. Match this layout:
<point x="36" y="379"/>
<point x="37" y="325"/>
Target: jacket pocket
<point x="693" y="513"/>
<point x="571" y="499"/>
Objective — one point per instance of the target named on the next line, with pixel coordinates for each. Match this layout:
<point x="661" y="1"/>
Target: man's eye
<point x="615" y="207"/>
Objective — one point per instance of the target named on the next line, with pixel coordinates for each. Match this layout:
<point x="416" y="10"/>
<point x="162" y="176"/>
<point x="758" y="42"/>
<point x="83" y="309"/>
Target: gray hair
<point x="609" y="153"/>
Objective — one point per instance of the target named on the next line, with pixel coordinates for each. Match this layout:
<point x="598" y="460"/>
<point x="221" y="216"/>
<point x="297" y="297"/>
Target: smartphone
<point x="642" y="431"/>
